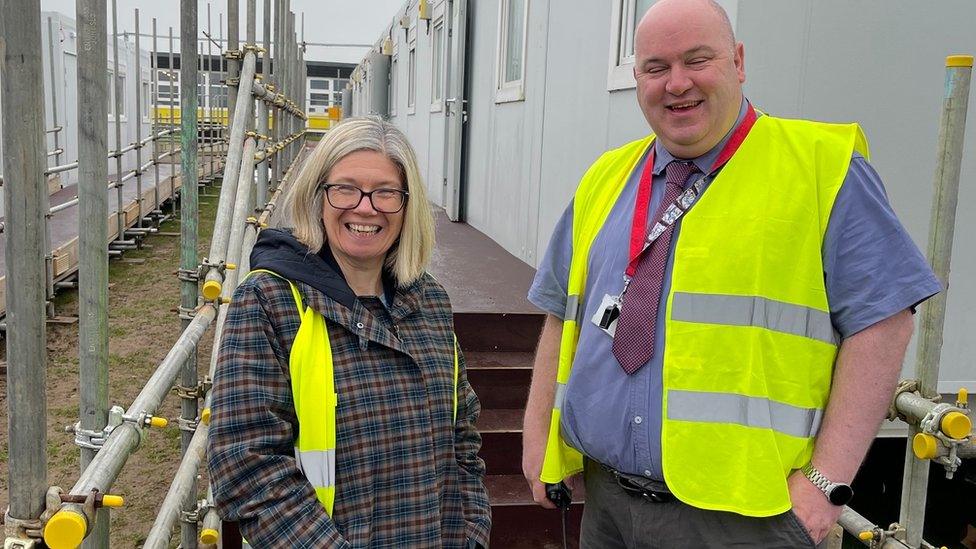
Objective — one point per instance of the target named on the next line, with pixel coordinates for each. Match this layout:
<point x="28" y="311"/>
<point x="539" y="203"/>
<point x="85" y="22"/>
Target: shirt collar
<point x="704" y="162"/>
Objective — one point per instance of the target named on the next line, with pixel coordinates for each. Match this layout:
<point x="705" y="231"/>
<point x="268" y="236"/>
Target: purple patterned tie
<point x="633" y="341"/>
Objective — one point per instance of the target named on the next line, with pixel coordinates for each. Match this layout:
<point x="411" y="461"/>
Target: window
<point x="111" y="96"/>
<point x="166" y="86"/>
<point x="319" y="94"/>
<point x="146" y="102"/>
<point x="437" y="67"/>
<point x="626" y="15"/>
<point x="412" y="75"/>
<point x="512" y="28"/>
<point x="202" y="99"/>
<point x="122" y="102"/>
<point x="394" y="64"/>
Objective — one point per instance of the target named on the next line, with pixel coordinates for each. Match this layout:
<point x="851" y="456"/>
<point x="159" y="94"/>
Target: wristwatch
<point x="838" y="493"/>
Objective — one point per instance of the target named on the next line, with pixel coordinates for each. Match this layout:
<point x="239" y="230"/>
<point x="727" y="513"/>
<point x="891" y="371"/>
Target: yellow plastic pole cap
<point x="959" y="61"/>
<point x="211" y="290"/>
<point x="956" y="425"/>
<point x="112" y="501"/>
<point x="925" y="446"/>
<point x="209" y="536"/>
<point x="963" y="397"/>
<point x="65" y="530"/>
<point x="866" y="535"/>
<point x="205" y="416"/>
<point x="159" y="422"/>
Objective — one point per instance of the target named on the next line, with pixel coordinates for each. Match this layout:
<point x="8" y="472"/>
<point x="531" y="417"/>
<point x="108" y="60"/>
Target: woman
<point x="341" y="413"/>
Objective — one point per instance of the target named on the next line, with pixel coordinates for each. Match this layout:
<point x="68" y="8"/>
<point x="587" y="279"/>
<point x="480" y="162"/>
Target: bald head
<point x="704" y="11"/>
<point x="689" y="72"/>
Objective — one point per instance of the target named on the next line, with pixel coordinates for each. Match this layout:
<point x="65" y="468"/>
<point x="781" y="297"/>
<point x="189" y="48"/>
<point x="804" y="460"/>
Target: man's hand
<point x="538" y="409"/>
<point x="811" y="506"/>
<point x="533" y="451"/>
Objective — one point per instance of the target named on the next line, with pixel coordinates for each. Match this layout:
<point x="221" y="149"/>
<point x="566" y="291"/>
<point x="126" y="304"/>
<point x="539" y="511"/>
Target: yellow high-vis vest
<point x="313" y="391"/>
<point x="750" y="345"/>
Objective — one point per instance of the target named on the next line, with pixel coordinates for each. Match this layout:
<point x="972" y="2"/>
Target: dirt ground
<point x="143" y="325"/>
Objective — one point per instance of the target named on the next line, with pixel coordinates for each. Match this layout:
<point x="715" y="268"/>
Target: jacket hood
<point x="277" y="250"/>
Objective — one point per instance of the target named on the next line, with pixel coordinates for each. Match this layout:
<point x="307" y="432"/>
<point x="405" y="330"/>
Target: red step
<point x="518" y="523"/>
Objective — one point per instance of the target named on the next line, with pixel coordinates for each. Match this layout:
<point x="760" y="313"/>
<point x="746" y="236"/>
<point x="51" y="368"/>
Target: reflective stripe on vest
<point x="313" y="391"/>
<point x="750" y="347"/>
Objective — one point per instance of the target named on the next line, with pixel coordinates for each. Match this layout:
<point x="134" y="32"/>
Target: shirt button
<point x="647" y="473"/>
<point x="360" y="325"/>
<point x="638" y="420"/>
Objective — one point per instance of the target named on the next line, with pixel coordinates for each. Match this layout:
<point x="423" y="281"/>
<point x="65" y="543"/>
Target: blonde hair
<point x="410" y="254"/>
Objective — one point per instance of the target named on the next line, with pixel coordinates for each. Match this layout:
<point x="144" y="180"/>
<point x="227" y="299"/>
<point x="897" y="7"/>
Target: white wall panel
<point x="880" y="63"/>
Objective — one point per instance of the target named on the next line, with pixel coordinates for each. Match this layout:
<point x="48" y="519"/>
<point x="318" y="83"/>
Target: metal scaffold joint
<point x="233" y="54"/>
<point x="66" y="526"/>
<point x="942" y="428"/>
<point x="94" y="440"/>
<point x="188" y="275"/>
<point x="197" y="391"/>
<point x="20" y="533"/>
<point x="187" y="313"/>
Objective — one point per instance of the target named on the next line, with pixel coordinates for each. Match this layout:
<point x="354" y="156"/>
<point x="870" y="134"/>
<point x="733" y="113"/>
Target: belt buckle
<point x="655" y="497"/>
<point x="634" y="489"/>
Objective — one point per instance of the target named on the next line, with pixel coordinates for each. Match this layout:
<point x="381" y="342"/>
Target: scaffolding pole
<point x="189" y="288"/>
<point x="172" y="123"/>
<point x="156" y="213"/>
<point x="211" y="140"/>
<point x="941" y="227"/>
<point x="138" y="83"/>
<point x="261" y="193"/>
<point x="54" y="90"/>
<point x="126" y="437"/>
<point x="92" y="254"/>
<point x="117" y="86"/>
<point x="25" y="188"/>
<point x="232" y="167"/>
<point x="276" y="74"/>
<point x="233" y="55"/>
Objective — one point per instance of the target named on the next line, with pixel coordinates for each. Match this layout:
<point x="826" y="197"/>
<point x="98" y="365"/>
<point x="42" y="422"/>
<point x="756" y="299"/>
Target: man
<point x="724" y="382"/>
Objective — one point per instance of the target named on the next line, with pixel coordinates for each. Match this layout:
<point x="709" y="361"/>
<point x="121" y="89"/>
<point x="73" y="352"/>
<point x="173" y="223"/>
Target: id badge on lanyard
<point x="608" y="312"/>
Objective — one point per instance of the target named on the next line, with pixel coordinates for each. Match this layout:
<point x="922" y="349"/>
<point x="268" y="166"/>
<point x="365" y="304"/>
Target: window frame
<point x="512" y="91"/>
<point x="146" y="98"/>
<point x="394" y="63"/>
<point x="412" y="70"/>
<point x="437" y="60"/>
<point x="620" y="73"/>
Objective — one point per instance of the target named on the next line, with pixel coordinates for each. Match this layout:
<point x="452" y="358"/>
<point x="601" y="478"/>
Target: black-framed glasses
<point x="343" y="196"/>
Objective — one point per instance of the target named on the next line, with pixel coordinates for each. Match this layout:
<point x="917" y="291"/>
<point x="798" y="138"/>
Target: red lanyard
<point x="638" y="227"/>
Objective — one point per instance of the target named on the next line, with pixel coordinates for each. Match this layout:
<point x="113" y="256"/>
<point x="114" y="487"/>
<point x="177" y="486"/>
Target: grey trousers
<point x="614" y="518"/>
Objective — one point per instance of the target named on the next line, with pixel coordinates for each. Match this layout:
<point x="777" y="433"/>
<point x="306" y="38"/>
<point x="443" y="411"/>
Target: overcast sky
<point x="326" y="21"/>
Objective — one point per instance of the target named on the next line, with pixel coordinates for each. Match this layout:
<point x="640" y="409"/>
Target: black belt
<point x="639" y="486"/>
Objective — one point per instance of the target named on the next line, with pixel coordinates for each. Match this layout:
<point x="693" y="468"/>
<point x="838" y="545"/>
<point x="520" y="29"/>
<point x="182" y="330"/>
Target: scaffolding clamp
<point x="253" y="221"/>
<point x="189" y="425"/>
<point x="187" y="313"/>
<point x="233" y="54"/>
<point x="188" y="275"/>
<point x="258" y="50"/>
<point x="233" y="82"/>
<point x="21" y="533"/>
<point x="197" y="391"/>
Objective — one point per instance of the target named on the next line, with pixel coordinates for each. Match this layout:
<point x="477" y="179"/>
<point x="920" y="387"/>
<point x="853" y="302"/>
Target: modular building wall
<point x="878" y="62"/>
<point x="64" y="38"/>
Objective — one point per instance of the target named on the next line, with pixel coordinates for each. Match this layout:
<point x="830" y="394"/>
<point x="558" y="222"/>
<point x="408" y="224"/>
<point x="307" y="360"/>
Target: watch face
<point x="841" y="494"/>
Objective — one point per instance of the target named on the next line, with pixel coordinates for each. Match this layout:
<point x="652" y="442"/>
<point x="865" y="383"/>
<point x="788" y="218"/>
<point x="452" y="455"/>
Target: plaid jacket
<point x="408" y="474"/>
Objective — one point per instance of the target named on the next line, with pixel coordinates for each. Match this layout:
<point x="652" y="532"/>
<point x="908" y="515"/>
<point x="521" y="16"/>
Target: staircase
<point x="498" y="350"/>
